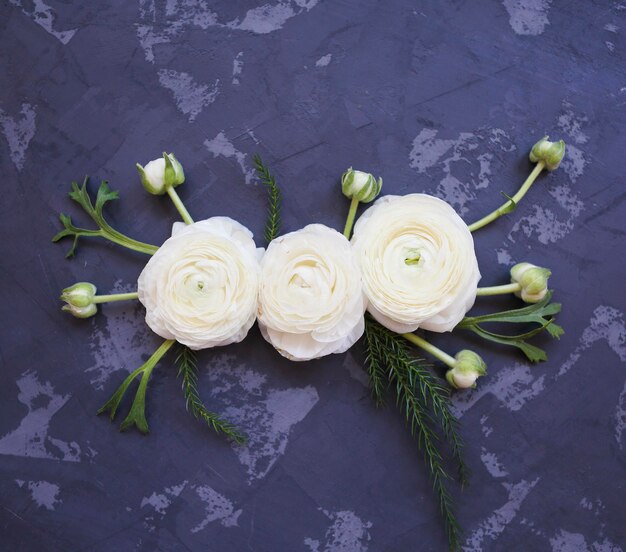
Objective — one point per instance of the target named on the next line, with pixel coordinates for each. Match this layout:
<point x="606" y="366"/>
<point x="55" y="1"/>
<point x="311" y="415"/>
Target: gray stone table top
<point x="441" y="97"/>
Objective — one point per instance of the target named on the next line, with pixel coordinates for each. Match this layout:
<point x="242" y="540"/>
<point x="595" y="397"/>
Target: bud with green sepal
<point x="467" y="369"/>
<point x="550" y="153"/>
<point x="81" y="299"/>
<point x="546" y="155"/>
<point x="161" y="176"/>
<point x="158" y="175"/>
<point x="532" y="281"/>
<point x="528" y="281"/>
<point x="359" y="187"/>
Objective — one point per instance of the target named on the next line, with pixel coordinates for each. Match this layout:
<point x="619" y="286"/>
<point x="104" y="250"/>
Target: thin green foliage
<point x="80" y="195"/>
<point x="424" y="401"/>
<point x="542" y="314"/>
<point x="272" y="225"/>
<point x="137" y="414"/>
<point x="187" y="369"/>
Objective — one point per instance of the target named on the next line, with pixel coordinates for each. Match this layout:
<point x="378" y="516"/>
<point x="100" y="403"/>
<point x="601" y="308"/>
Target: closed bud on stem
<point x="533" y="281"/>
<point x="79" y="300"/>
<point x="160" y="174"/>
<point x="551" y="153"/>
<point x="468" y="368"/>
<point x="360" y="185"/>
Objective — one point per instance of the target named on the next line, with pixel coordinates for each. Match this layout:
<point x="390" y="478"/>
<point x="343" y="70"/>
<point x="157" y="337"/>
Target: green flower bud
<point x="533" y="281"/>
<point x="551" y="153"/>
<point x="360" y="185"/>
<point x="79" y="299"/>
<point x="468" y="368"/>
<point x="158" y="175"/>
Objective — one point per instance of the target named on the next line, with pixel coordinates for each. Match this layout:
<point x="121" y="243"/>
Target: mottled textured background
<point x="441" y="97"/>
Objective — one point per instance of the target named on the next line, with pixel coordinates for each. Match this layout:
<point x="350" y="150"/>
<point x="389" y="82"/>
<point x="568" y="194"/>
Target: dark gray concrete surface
<point x="441" y="97"/>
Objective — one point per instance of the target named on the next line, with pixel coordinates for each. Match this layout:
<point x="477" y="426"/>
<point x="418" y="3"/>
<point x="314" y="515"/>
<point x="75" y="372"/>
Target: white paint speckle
<point x="504" y="257"/>
<point x="573" y="124"/>
<point x="492" y="527"/>
<point x="442" y="158"/>
<point x="43" y="15"/>
<point x="324" y="60"/>
<point x="161" y="501"/>
<point x="610" y="46"/>
<point x="564" y="541"/>
<point x="346" y="533"/>
<point x="190" y="97"/>
<point x="160" y="27"/>
<point x="43" y="493"/>
<point x="221" y="146"/>
<point x="117" y="345"/>
<point x="492" y="464"/>
<point x="267" y="415"/>
<point x="30" y="438"/>
<point x="612" y="28"/>
<point x="18" y="133"/>
<point x="237" y="68"/>
<point x="216" y="508"/>
<point x="528" y="17"/>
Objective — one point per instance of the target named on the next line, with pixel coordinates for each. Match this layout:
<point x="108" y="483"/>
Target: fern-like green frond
<point x="272" y="225"/>
<point x="187" y="369"/>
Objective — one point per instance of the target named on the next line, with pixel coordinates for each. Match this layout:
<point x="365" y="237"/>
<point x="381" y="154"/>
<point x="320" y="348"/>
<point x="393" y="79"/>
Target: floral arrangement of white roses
<point x="408" y="265"/>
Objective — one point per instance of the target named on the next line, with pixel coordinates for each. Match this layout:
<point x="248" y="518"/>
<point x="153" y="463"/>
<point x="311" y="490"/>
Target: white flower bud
<point x="468" y="368"/>
<point x="533" y="281"/>
<point x="158" y="175"/>
<point x="79" y="299"/>
<point x="551" y="153"/>
<point x="360" y="185"/>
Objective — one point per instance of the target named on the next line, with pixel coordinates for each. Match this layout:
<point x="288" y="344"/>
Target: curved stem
<point x="509" y="205"/>
<point x="115" y="297"/>
<point x="436" y="352"/>
<point x="123" y="240"/>
<point x="350" y="220"/>
<point x="498" y="290"/>
<point x="179" y="205"/>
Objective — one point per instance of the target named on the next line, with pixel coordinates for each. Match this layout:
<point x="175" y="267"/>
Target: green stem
<point x="350" y="220"/>
<point x="115" y="297"/>
<point x="436" y="352"/>
<point x="137" y="414"/>
<point x="179" y="205"/>
<point x="498" y="290"/>
<point x="123" y="240"/>
<point x="507" y="207"/>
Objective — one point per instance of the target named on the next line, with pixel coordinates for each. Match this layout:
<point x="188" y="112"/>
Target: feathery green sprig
<point x="425" y="403"/>
<point x="272" y="225"/>
<point x="186" y="361"/>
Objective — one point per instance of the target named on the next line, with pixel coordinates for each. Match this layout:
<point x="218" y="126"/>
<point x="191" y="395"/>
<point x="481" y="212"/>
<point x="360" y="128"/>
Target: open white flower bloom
<point x="201" y="286"/>
<point x="311" y="301"/>
<point x="418" y="263"/>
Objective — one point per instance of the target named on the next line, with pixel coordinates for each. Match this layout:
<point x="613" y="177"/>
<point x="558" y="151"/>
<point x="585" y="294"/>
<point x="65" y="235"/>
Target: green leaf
<point x="113" y="403"/>
<point x="540" y="313"/>
<point x="80" y="195"/>
<point x="510" y="207"/>
<point x="272" y="225"/>
<point x="105" y="194"/>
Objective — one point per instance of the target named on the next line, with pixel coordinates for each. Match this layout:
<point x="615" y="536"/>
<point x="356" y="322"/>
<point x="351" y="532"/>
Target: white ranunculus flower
<point x="311" y="301"/>
<point x="201" y="286"/>
<point x="418" y="263"/>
